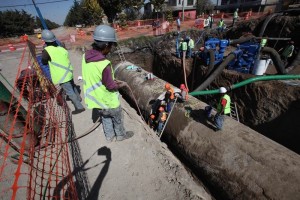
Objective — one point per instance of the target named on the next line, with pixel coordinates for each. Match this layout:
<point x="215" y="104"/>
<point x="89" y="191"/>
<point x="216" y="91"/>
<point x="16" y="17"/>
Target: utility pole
<point x="182" y="10"/>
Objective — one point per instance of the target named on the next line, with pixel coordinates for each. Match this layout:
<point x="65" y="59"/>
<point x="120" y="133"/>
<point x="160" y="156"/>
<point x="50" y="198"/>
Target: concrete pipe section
<point x="235" y="163"/>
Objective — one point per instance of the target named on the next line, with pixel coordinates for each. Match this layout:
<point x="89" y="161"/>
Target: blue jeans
<point x="72" y="92"/>
<point x="219" y="120"/>
<point x="160" y="126"/>
<point x="112" y="122"/>
<point x="169" y="106"/>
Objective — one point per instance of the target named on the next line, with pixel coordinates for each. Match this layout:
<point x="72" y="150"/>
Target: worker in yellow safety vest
<point x="221" y="25"/>
<point x="191" y="45"/>
<point x="61" y="69"/>
<point x="287" y="52"/>
<point x="183" y="47"/>
<point x="223" y="108"/>
<point x="101" y="87"/>
<point x="235" y="16"/>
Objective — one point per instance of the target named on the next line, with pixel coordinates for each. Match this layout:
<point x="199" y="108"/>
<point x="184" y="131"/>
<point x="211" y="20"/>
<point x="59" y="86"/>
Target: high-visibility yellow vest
<point x="227" y="106"/>
<point x="163" y="116"/>
<point x="288" y="51"/>
<point x="184" y="46"/>
<point x="60" y="66"/>
<point x="221" y="24"/>
<point x="191" y="43"/>
<point x="235" y="15"/>
<point x="263" y="42"/>
<point x="95" y="93"/>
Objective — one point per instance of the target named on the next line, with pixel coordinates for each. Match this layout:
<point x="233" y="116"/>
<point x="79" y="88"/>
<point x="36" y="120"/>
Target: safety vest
<point x="171" y="90"/>
<point x="263" y="42"/>
<point x="227" y="106"/>
<point x="221" y="24"/>
<point x="60" y="66"/>
<point x="163" y="116"/>
<point x="95" y="93"/>
<point x="184" y="94"/>
<point x="288" y="51"/>
<point x="184" y="46"/>
<point x="235" y="15"/>
<point x="191" y="43"/>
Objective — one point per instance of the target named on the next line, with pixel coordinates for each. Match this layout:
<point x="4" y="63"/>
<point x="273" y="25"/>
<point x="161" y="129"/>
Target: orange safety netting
<point x="35" y="126"/>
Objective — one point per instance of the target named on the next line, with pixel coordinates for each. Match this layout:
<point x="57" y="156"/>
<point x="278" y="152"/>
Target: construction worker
<point x="178" y="23"/>
<point x="235" y="16"/>
<point x="151" y="121"/>
<point x="169" y="97"/>
<point x="191" y="45"/>
<point x="220" y="26"/>
<point x="223" y="108"/>
<point x="287" y="51"/>
<point x="100" y="86"/>
<point x="211" y="20"/>
<point x="61" y="69"/>
<point x="183" y="47"/>
<point x="184" y="93"/>
<point x="162" y="117"/>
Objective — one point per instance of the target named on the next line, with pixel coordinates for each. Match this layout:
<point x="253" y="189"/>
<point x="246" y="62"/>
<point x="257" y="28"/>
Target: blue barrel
<point x="45" y="68"/>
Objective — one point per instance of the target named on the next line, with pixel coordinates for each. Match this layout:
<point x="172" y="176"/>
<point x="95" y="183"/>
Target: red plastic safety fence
<point x="35" y="125"/>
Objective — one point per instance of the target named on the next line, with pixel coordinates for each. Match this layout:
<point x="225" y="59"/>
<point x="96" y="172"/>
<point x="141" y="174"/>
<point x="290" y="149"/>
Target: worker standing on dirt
<point x="191" y="45"/>
<point x="162" y="117"/>
<point x="61" y="69"/>
<point x="178" y="23"/>
<point x="100" y="86"/>
<point x="223" y="108"/>
<point x="235" y="16"/>
<point x="169" y="97"/>
<point x="183" y="47"/>
<point x="221" y="26"/>
<point x="287" y="51"/>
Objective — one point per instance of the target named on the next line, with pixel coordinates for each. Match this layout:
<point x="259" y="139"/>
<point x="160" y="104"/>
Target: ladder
<point x="120" y="52"/>
<point x="234" y="112"/>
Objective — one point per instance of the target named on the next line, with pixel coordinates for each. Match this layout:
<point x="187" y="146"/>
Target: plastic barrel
<point x="261" y="66"/>
<point x="45" y="68"/>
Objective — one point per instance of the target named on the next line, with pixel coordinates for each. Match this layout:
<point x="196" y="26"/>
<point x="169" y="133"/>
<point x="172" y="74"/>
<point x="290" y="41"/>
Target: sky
<point x="55" y="12"/>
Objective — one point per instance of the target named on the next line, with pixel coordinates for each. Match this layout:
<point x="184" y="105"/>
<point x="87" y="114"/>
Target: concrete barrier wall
<point x="237" y="162"/>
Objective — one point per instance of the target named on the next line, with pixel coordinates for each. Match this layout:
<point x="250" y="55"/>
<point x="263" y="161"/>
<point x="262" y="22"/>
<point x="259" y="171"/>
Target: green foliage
<point x="157" y="4"/>
<point x="169" y="15"/>
<point x="111" y="8"/>
<point x="50" y="24"/>
<point x="15" y="22"/>
<point x="122" y="20"/>
<point x="75" y="15"/>
<point x="93" y="13"/>
<point x="204" y="6"/>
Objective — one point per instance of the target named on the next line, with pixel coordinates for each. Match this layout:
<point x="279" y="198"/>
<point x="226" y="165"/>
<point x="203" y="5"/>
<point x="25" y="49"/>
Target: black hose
<point x="211" y="62"/>
<point x="241" y="40"/>
<point x="266" y="22"/>
<point x="216" y="73"/>
<point x="276" y="59"/>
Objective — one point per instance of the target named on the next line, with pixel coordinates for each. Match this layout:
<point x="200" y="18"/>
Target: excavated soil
<point x="270" y="108"/>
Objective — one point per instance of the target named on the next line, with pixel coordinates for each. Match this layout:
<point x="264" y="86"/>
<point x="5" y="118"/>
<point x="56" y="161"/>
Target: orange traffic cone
<point x="11" y="47"/>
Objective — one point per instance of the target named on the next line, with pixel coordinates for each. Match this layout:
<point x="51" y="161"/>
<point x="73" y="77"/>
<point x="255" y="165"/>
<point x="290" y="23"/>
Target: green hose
<point x="248" y="81"/>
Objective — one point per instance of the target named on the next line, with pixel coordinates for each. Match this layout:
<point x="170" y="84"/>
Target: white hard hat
<point x="105" y="33"/>
<point x="222" y="90"/>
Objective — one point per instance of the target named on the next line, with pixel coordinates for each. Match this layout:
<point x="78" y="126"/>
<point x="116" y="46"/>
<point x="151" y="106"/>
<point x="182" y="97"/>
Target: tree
<point x="15" y="22"/>
<point x="75" y="15"/>
<point x="111" y="8"/>
<point x="132" y="8"/>
<point x="203" y="6"/>
<point x="50" y="24"/>
<point x="93" y="13"/>
<point x="157" y="5"/>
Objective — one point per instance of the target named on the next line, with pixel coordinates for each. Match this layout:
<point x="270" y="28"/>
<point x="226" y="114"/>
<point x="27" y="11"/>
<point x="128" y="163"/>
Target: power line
<point x="10" y="6"/>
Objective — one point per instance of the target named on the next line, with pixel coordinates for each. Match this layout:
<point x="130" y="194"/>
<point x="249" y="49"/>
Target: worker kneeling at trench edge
<point x="101" y="87"/>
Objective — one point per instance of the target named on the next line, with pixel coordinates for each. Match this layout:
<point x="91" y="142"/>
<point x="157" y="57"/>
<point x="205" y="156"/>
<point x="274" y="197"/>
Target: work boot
<point x="77" y="111"/>
<point x="127" y="135"/>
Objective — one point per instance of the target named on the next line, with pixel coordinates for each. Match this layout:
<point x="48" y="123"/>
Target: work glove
<point x="121" y="83"/>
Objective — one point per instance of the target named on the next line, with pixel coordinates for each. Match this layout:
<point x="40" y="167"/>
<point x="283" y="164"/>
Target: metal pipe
<point x="238" y="163"/>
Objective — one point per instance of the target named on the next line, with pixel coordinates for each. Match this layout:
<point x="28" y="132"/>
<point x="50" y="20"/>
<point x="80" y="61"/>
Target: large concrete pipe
<point x="237" y="162"/>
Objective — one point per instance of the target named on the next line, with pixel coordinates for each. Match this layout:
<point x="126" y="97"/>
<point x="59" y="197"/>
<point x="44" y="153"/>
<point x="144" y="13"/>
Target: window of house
<point x="179" y="2"/>
<point x="190" y="2"/>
